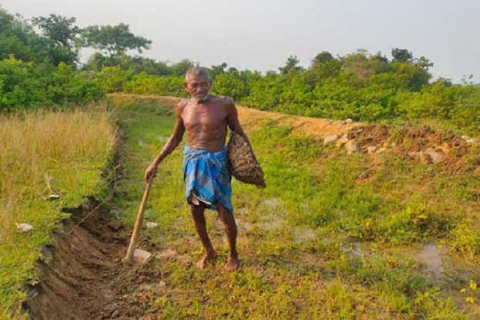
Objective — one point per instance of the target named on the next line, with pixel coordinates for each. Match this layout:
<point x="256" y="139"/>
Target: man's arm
<point x="172" y="142"/>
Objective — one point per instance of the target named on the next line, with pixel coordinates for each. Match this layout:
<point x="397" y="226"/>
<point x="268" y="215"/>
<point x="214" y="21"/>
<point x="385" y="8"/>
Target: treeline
<point x="360" y="86"/>
<point x="42" y="67"/>
<point x="40" y="62"/>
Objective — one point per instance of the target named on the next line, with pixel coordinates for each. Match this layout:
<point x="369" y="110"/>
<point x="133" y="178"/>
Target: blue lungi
<point x="207" y="176"/>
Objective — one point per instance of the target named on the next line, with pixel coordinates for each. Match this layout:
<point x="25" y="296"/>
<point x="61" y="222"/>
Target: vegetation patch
<point x="323" y="240"/>
<point x="49" y="161"/>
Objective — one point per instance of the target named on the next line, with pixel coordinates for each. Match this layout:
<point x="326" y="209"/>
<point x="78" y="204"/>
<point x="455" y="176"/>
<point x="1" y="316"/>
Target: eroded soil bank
<point x="83" y="277"/>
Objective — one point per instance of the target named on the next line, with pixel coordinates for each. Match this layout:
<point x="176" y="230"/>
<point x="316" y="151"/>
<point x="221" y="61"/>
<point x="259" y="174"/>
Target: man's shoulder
<point x="226" y="99"/>
<point x="227" y="102"/>
<point x="181" y="106"/>
<point x="182" y="103"/>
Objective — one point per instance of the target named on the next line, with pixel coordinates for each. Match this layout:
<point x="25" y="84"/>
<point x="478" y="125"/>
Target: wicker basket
<point x="242" y="162"/>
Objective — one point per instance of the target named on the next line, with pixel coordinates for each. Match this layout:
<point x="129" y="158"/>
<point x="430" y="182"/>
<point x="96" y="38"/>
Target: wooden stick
<point x="138" y="222"/>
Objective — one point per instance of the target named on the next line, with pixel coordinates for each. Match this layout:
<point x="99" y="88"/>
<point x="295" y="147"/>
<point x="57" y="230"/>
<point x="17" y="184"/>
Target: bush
<point x="359" y="86"/>
<point x="22" y="84"/>
<point x="112" y="79"/>
<point x="150" y="84"/>
<point x="31" y="85"/>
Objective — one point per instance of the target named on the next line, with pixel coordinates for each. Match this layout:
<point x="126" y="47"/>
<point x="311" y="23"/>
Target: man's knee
<point x="197" y="210"/>
<point x="224" y="215"/>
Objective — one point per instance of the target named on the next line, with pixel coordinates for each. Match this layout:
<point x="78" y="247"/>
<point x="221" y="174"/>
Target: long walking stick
<point x="138" y="222"/>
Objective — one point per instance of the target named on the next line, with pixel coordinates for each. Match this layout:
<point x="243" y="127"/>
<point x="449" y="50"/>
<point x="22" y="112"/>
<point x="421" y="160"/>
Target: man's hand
<point x="151" y="170"/>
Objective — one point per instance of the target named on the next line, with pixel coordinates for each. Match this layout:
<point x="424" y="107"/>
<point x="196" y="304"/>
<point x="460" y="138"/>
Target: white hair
<point x="196" y="72"/>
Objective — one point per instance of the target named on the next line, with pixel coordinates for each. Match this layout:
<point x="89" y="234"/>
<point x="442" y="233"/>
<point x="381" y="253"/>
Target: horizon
<point x="251" y="39"/>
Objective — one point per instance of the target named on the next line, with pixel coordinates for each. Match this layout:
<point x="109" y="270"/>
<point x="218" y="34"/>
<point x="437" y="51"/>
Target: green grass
<point x="72" y="148"/>
<point x="333" y="236"/>
<point x="297" y="237"/>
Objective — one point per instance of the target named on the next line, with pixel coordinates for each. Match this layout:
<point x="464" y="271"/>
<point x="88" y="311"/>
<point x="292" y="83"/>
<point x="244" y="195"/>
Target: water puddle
<point x="430" y="257"/>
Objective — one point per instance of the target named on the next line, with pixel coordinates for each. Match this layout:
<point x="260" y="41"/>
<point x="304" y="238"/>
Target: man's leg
<point x="231" y="230"/>
<point x="201" y="227"/>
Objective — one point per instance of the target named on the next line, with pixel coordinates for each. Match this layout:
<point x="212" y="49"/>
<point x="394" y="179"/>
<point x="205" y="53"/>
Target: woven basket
<point x="242" y="162"/>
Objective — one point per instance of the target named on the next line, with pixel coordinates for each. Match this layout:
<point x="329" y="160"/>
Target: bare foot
<point x="207" y="257"/>
<point x="233" y="263"/>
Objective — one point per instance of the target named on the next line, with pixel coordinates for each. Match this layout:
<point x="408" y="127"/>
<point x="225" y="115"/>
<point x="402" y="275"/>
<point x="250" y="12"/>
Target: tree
<point x="380" y="57"/>
<point x="216" y="70"/>
<point x="149" y="66"/>
<point x="18" y="38"/>
<point x="114" y="40"/>
<point x="401" y="55"/>
<point x="423" y="63"/>
<point x="322" y="57"/>
<point x="292" y="65"/>
<point x="233" y="83"/>
<point x="180" y="68"/>
<point x="363" y="65"/>
<point x="323" y="66"/>
<point x="61" y="32"/>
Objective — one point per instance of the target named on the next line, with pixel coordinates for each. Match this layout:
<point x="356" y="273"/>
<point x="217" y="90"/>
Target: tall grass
<point x="44" y="153"/>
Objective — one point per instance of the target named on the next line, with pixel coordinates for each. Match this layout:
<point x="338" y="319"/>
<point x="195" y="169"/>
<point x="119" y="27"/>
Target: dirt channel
<point x="83" y="277"/>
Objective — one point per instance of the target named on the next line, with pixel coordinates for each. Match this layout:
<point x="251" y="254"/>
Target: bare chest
<point x="208" y="116"/>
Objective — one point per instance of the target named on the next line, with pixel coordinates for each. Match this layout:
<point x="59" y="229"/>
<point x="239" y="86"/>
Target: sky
<point x="262" y="34"/>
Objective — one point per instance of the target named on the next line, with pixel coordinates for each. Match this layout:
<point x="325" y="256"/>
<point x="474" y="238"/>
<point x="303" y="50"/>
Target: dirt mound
<point x="82" y="276"/>
<point x="253" y="118"/>
<point x="409" y="138"/>
<point x="419" y="144"/>
<point x="369" y="135"/>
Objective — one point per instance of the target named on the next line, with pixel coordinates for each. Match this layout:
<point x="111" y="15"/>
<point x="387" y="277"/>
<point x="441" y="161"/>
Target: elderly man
<point x="205" y="118"/>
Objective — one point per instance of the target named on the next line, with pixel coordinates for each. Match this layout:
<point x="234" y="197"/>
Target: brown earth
<point x="418" y="144"/>
<point x="83" y="277"/>
<point x="252" y="117"/>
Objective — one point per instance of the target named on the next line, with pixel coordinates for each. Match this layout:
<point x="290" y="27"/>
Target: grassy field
<point x="44" y="154"/>
<point x="333" y="236"/>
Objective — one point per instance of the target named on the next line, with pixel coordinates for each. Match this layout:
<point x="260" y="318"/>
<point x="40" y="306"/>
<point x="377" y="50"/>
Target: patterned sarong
<point x="207" y="176"/>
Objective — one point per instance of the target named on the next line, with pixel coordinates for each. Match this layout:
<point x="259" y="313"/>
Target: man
<point x="205" y="118"/>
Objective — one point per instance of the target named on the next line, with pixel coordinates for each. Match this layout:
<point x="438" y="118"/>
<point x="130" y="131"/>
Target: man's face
<point x="198" y="87"/>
